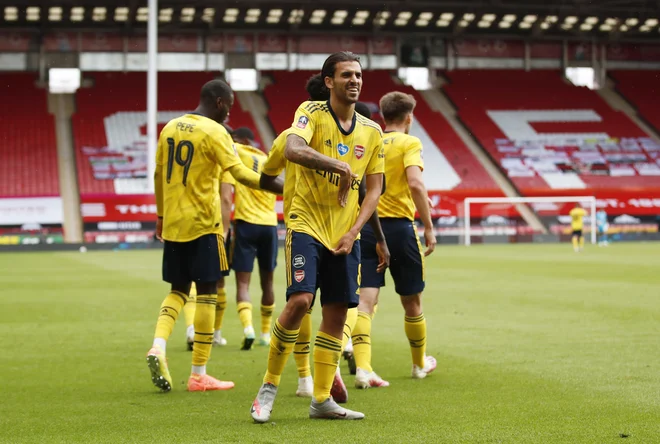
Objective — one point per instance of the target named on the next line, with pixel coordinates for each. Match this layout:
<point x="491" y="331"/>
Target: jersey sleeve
<point x="276" y="161"/>
<point x="376" y="163"/>
<point x="226" y="177"/>
<point x="304" y="121"/>
<point x="223" y="150"/>
<point x="413" y="154"/>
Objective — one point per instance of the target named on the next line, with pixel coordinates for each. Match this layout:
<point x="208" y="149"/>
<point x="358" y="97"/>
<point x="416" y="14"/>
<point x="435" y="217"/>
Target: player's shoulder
<point x="312" y="107"/>
<point x="369" y="124"/>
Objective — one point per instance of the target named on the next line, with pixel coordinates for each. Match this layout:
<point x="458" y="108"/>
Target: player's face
<point x="224" y="105"/>
<point x="347" y="82"/>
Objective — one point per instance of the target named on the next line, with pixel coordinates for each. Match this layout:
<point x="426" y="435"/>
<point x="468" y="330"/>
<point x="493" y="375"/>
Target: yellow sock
<point x="575" y="242"/>
<point x="581" y="242"/>
<point x="327" y="350"/>
<point x="245" y="313"/>
<point x="302" y="347"/>
<point x="373" y="315"/>
<point x="189" y="308"/>
<point x="416" y="332"/>
<point x="362" y="341"/>
<point x="204" y="318"/>
<point x="220" y="305"/>
<point x="266" y="318"/>
<point x="169" y="312"/>
<point x="281" y="346"/>
<point x="351" y="319"/>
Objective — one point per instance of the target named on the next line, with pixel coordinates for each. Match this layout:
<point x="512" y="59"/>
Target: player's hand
<point x="429" y="237"/>
<point x="159" y="229"/>
<point x="383" y="256"/>
<point x="346" y="177"/>
<point x="345" y="245"/>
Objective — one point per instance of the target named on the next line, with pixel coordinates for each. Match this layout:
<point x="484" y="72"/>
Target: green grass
<point x="535" y="344"/>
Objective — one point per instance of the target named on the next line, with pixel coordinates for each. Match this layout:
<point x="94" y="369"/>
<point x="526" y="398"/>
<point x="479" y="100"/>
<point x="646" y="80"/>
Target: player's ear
<point x="329" y="83"/>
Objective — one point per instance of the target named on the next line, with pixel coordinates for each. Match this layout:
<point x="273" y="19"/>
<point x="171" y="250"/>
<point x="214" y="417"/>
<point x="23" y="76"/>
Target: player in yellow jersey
<point x="405" y="192"/>
<point x="193" y="150"/>
<point x="332" y="150"/>
<point x="254" y="236"/>
<point x="577" y="225"/>
<point x="275" y="164"/>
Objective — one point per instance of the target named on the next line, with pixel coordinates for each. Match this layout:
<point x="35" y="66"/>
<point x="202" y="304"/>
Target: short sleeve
<point x="413" y="154"/>
<point x="223" y="149"/>
<point x="226" y="177"/>
<point x="376" y="163"/>
<point x="303" y="121"/>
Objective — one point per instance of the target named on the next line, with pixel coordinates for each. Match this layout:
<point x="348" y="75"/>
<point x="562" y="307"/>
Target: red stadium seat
<point x="28" y="150"/>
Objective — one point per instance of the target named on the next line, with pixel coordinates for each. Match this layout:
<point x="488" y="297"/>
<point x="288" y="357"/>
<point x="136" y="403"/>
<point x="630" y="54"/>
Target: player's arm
<point x="226" y="202"/>
<point x="420" y="197"/>
<point x="274" y="184"/>
<point x="374" y="223"/>
<point x="158" y="189"/>
<point x="297" y="151"/>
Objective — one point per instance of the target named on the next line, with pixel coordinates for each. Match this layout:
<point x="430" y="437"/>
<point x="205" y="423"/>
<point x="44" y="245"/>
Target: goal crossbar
<point x="522" y="200"/>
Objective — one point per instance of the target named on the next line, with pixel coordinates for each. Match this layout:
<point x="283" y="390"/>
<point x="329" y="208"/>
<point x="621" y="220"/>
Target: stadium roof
<point x="601" y="19"/>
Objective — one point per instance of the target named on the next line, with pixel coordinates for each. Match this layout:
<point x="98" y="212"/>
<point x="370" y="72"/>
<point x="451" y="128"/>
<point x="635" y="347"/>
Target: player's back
<point x="314" y="207"/>
<point x="188" y="153"/>
<point x="577" y="215"/>
<point x="401" y="151"/>
<point x="251" y="205"/>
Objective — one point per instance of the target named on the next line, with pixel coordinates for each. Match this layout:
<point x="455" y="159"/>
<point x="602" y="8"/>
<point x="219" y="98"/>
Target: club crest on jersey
<point x="342" y="149"/>
<point x="302" y="122"/>
<point x="359" y="151"/>
<point x="299" y="275"/>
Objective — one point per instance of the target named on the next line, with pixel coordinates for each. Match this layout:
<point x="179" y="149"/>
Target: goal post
<point x="589" y="201"/>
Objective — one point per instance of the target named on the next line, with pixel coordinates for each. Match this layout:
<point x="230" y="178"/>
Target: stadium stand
<point x="641" y="90"/>
<point x="28" y="150"/>
<point x="549" y="135"/>
<point x="110" y="122"/>
<point x="287" y="92"/>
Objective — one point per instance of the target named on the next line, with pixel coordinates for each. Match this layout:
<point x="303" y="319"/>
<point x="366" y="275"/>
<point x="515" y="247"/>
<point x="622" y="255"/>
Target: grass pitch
<point x="535" y="344"/>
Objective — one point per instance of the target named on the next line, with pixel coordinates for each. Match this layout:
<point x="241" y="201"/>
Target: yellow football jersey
<point x="193" y="151"/>
<point x="250" y="205"/>
<point x="577" y="223"/>
<point x="401" y="151"/>
<point x="274" y="165"/>
<point x="315" y="209"/>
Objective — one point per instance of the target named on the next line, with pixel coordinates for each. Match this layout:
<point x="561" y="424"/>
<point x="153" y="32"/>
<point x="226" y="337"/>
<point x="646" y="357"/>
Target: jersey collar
<point x="334" y="116"/>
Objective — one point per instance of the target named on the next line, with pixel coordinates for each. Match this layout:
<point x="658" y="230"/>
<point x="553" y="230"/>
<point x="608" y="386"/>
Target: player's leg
<point x="220" y="307"/>
<point x="267" y="260"/>
<point x="174" y="272"/>
<point x="575" y="241"/>
<point x="301" y="287"/>
<point x="301" y="351"/>
<point x="208" y="261"/>
<point x="340" y="290"/>
<point x="189" y="315"/>
<point x="370" y="283"/>
<point x="243" y="254"/>
<point x="221" y="303"/>
<point x="581" y="240"/>
<point x="407" y="269"/>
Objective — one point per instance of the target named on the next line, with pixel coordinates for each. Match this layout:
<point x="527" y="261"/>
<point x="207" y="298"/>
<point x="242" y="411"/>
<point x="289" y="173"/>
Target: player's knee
<point x="334" y="316"/>
<point x="412" y="305"/>
<point x="182" y="287"/>
<point x="298" y="304"/>
<point x="207" y="287"/>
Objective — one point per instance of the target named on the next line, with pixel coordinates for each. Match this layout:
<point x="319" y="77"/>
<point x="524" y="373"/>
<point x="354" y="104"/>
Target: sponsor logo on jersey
<point x="342" y="149"/>
<point x="299" y="261"/>
<point x="302" y="122"/>
<point x="299" y="275"/>
<point x="359" y="151"/>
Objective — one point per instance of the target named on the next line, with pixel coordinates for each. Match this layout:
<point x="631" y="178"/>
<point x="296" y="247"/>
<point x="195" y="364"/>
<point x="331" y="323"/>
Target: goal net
<point x="525" y="219"/>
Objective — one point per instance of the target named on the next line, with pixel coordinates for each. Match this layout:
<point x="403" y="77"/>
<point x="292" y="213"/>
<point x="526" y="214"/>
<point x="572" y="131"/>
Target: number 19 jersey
<point x="193" y="150"/>
<point x="315" y="208"/>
